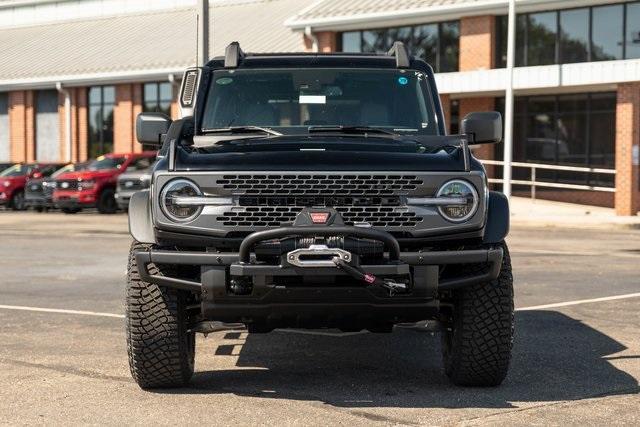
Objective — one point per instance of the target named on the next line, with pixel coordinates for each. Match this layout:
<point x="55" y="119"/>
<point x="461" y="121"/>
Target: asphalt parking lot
<point x="576" y="360"/>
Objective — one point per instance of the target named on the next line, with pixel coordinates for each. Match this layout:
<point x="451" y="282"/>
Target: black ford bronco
<point x="317" y="191"/>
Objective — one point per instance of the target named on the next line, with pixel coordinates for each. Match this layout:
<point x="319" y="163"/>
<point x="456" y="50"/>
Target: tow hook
<point x="357" y="273"/>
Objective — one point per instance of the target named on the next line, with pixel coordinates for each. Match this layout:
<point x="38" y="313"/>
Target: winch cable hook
<point x="370" y="279"/>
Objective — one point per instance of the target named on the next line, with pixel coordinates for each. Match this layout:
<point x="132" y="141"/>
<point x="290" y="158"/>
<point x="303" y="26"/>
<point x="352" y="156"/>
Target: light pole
<point x="508" y="100"/>
<point x="203" y="32"/>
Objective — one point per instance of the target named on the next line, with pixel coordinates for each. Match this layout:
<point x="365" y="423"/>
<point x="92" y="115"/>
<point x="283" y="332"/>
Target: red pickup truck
<point x="13" y="180"/>
<point x="95" y="186"/>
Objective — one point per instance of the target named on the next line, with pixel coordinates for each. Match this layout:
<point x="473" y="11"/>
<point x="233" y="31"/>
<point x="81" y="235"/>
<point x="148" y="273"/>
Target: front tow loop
<point x="359" y="274"/>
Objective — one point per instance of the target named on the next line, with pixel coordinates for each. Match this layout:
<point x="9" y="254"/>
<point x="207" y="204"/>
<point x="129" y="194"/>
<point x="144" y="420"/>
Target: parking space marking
<point x="61" y="311"/>
<point x="578" y="302"/>
<point x="308" y="332"/>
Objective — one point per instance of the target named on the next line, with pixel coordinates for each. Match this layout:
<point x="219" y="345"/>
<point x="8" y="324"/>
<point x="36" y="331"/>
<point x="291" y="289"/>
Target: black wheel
<point x="477" y="347"/>
<point x="17" y="202"/>
<point x="71" y="211"/>
<point x="161" y="348"/>
<point x="107" y="202"/>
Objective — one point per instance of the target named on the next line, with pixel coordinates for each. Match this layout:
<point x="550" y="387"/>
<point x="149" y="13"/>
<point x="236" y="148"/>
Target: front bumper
<point x="123" y="198"/>
<point x="272" y="301"/>
<point x="74" y="199"/>
<point x="38" y="202"/>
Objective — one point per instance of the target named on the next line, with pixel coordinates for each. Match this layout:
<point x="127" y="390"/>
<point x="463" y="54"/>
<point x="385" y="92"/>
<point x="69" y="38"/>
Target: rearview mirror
<point x="483" y="128"/>
<point x="151" y="128"/>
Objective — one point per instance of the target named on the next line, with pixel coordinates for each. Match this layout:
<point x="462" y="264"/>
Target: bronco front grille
<point x="266" y="200"/>
<point x="326" y="185"/>
<point x="282" y="216"/>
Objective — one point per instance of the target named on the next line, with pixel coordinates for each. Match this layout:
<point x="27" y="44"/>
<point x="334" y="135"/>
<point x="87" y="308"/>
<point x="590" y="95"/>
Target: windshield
<point x="16" y="170"/>
<point x="292" y="100"/>
<point x="67" y="168"/>
<point x="104" y="163"/>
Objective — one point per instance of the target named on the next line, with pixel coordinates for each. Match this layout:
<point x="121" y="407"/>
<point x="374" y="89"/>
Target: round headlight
<point x="170" y="193"/>
<point x="459" y="190"/>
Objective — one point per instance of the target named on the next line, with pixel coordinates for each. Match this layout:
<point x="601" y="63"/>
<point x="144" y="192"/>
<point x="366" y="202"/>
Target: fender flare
<point x="498" y="218"/>
<point x="140" y="222"/>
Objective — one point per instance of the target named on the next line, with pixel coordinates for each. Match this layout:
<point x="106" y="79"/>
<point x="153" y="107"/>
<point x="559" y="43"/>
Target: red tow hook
<point x="370" y="279"/>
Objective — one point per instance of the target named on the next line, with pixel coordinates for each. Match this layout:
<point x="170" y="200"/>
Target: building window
<point x="542" y="32"/>
<point x="438" y="44"/>
<point x="569" y="130"/>
<point x="101" y="102"/>
<point x="5" y="151"/>
<point x="607" y="33"/>
<point x="46" y="125"/>
<point x="157" y="98"/>
<point x="632" y="32"/>
<point x="573" y="35"/>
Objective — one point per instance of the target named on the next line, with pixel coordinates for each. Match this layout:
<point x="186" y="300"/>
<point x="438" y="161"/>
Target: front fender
<point x="498" y="218"/>
<point x="140" y="222"/>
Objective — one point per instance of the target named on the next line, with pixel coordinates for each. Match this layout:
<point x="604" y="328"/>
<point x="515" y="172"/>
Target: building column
<point x="327" y="42"/>
<point x="137" y="109"/>
<point x="627" y="197"/>
<point x="30" y="128"/>
<point x="175" y="105"/>
<point x="124" y="119"/>
<point x="81" y="145"/>
<point x="445" y="101"/>
<point x="477" y="43"/>
<point x="21" y="131"/>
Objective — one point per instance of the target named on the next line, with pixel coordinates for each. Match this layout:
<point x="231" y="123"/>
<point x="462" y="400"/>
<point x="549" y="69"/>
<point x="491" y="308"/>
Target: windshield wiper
<point x="350" y="130"/>
<point x="242" y="129"/>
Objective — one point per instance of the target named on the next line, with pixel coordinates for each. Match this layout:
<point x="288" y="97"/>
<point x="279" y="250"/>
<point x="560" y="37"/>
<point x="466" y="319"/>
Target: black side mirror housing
<point x="151" y="128"/>
<point x="482" y="128"/>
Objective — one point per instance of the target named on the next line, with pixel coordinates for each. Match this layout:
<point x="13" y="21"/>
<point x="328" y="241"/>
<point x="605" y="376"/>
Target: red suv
<point x="13" y="179"/>
<point x="95" y="186"/>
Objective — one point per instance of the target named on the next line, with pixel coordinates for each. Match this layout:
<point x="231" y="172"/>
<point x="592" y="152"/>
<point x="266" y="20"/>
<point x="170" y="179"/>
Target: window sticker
<point x="312" y="99"/>
<point x="403" y="80"/>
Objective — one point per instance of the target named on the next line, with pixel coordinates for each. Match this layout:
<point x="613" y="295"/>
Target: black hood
<point x="345" y="155"/>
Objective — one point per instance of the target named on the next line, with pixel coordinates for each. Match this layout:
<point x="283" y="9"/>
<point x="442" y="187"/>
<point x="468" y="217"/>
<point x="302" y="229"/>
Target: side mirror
<point x="482" y="128"/>
<point x="151" y="128"/>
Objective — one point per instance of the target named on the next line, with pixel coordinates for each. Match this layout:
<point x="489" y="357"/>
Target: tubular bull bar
<point x="423" y="266"/>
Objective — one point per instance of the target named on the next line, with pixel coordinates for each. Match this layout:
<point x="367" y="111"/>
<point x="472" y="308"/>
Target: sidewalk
<point x="543" y="213"/>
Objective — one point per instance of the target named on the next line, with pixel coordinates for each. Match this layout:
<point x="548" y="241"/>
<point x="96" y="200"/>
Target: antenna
<point x="197" y="36"/>
<point x="203" y="32"/>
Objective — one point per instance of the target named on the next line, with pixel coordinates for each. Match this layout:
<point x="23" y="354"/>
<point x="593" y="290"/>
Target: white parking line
<point x="578" y="302"/>
<point x="298" y="331"/>
<point x="61" y="311"/>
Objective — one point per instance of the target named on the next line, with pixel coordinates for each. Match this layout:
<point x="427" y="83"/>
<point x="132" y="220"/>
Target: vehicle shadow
<point x="555" y="358"/>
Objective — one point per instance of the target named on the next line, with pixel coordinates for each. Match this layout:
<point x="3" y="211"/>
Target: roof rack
<point x="399" y="50"/>
<point x="233" y="55"/>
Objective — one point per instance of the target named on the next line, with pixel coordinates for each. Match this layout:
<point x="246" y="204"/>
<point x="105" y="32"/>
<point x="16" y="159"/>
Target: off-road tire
<point x="477" y="349"/>
<point x="160" y="347"/>
<point x="107" y="202"/>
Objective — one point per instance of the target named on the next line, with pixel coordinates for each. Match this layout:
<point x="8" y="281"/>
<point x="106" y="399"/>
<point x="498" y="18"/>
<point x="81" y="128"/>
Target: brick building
<point x="577" y="79"/>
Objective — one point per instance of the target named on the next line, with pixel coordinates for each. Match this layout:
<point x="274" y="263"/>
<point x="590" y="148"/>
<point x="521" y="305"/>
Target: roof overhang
<point x="115" y="77"/>
<point x="426" y="14"/>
